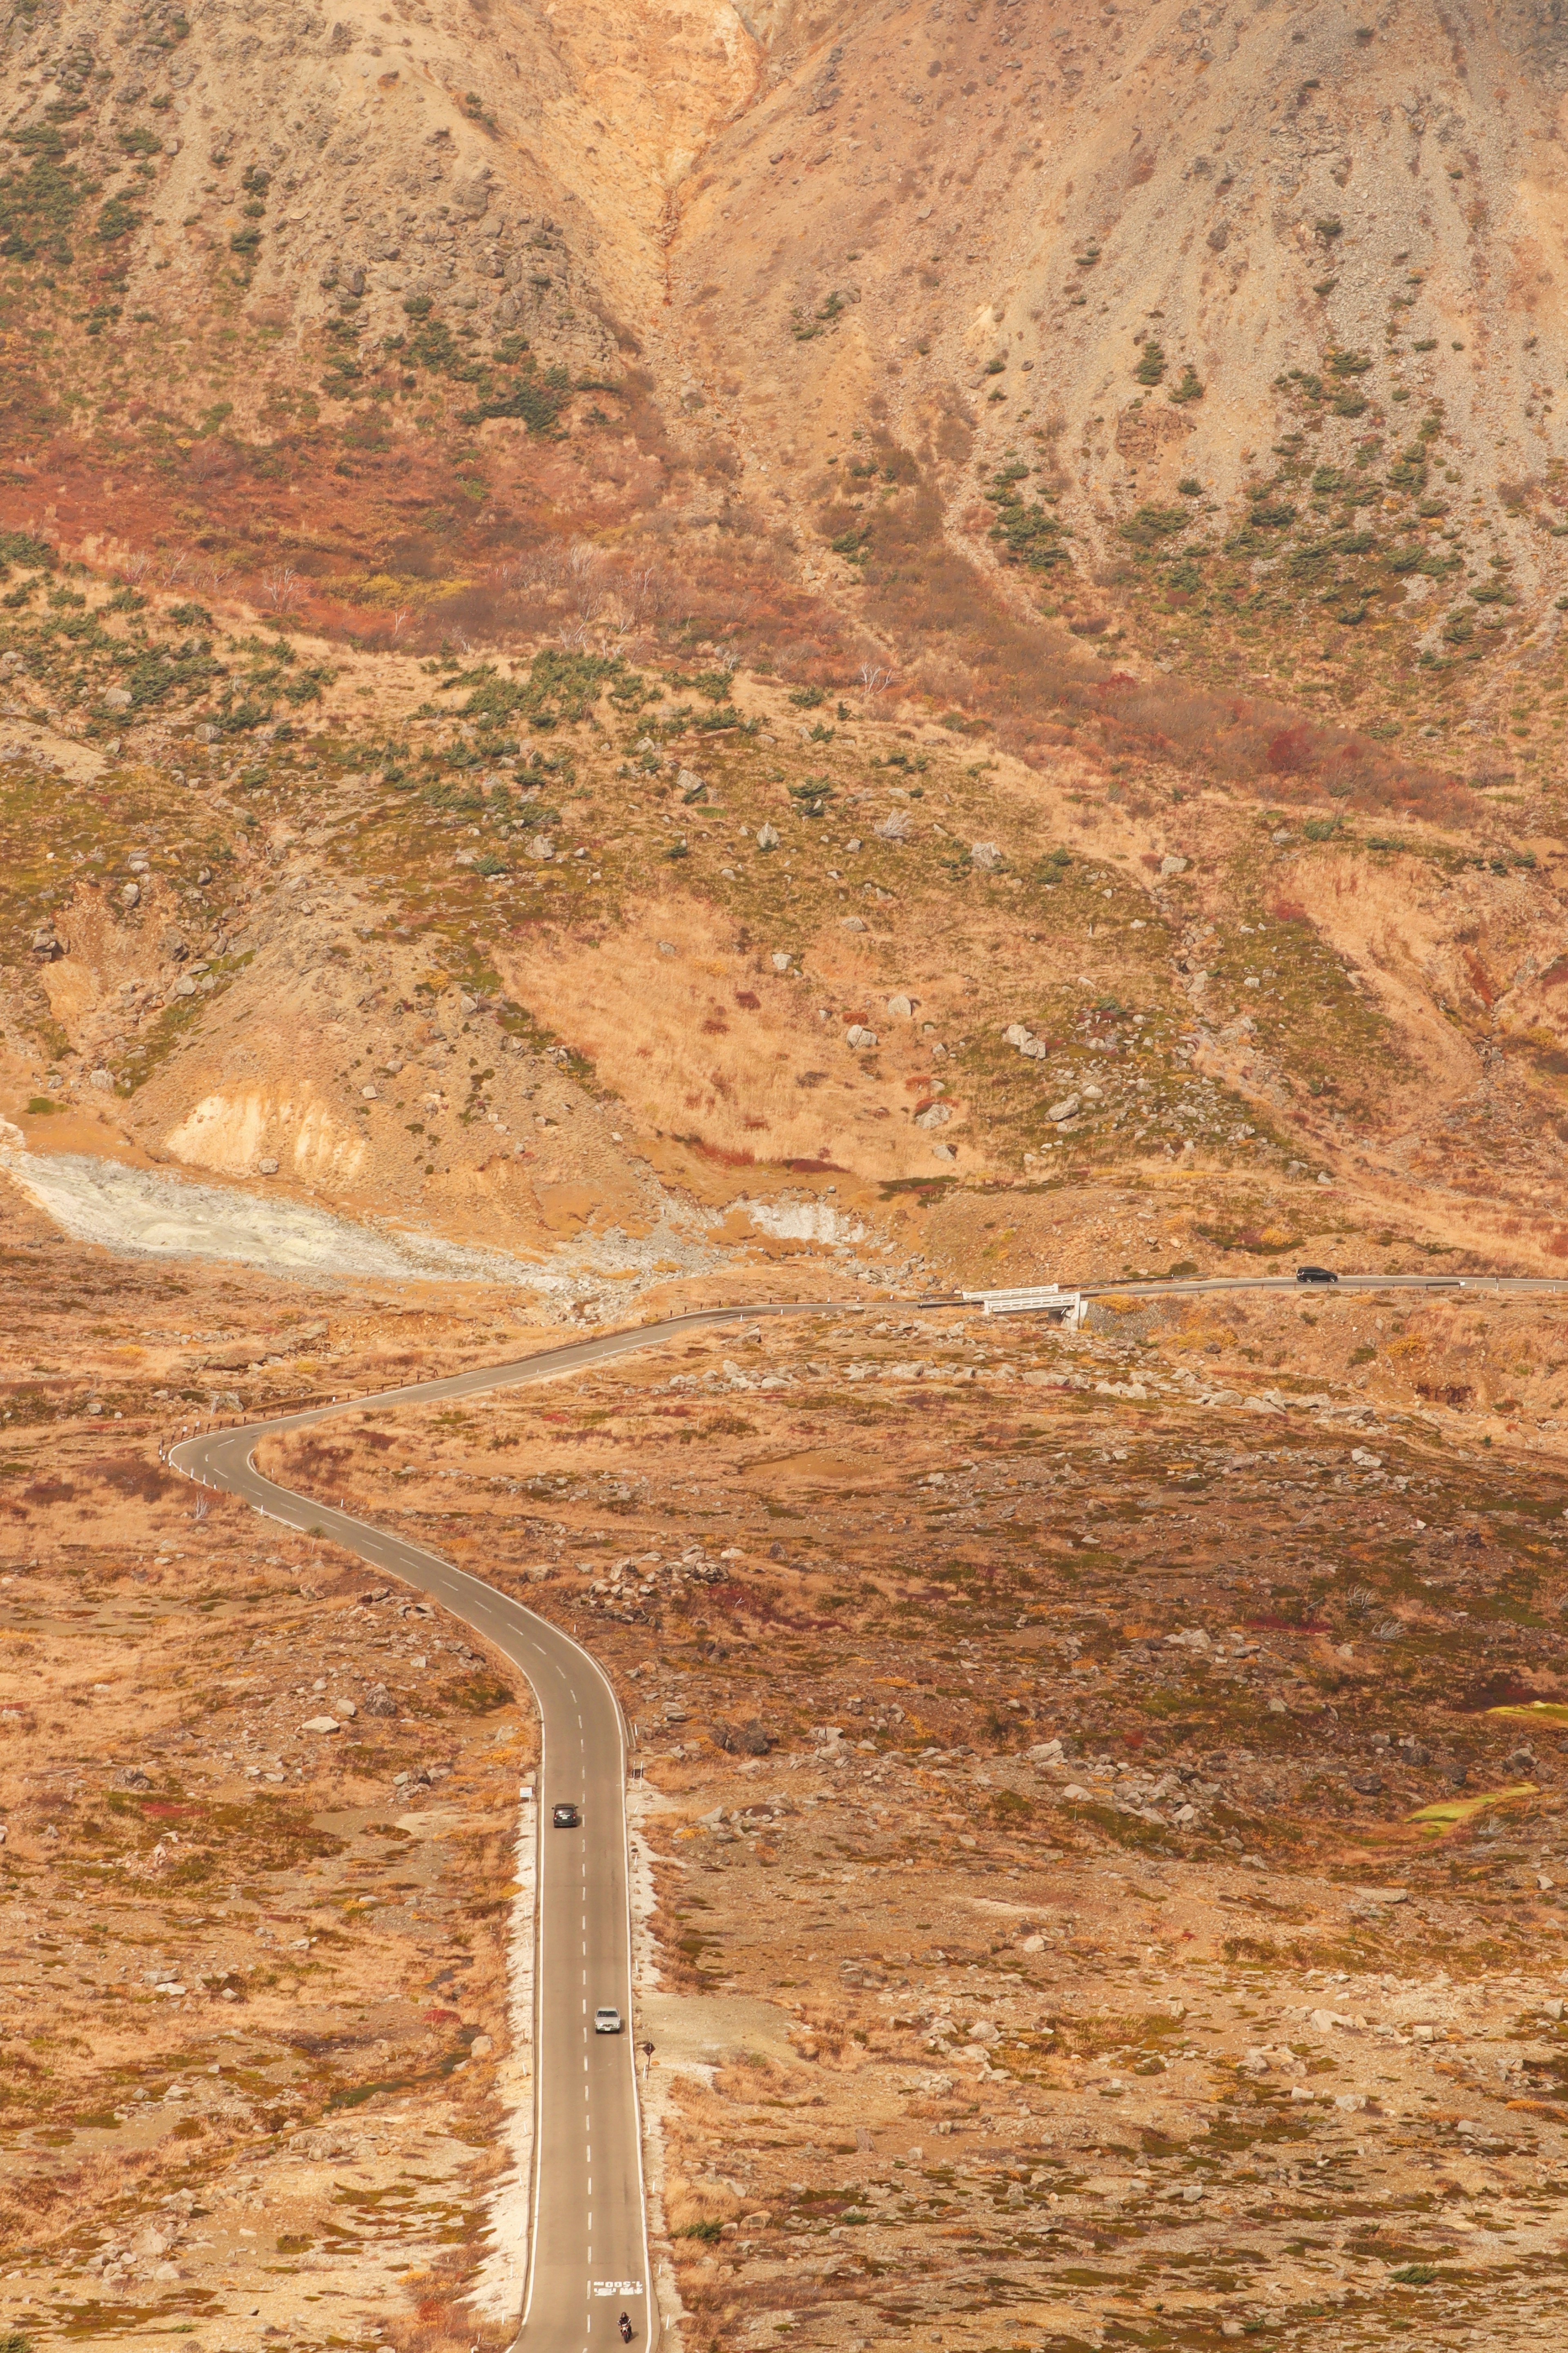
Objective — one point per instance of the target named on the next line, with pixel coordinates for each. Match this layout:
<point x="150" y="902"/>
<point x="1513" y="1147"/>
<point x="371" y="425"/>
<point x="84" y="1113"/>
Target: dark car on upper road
<point x="565" y="1818"/>
<point x="1316" y="1274"/>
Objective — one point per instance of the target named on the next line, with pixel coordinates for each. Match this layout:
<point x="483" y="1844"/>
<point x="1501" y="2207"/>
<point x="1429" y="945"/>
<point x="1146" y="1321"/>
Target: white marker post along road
<point x="588" y="2250"/>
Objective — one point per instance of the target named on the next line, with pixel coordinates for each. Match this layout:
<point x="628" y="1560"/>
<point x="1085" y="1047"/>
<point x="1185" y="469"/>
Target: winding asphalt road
<point x="588" y="2250"/>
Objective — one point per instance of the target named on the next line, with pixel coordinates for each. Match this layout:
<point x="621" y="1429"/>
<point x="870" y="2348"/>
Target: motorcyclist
<point x="626" y="2327"/>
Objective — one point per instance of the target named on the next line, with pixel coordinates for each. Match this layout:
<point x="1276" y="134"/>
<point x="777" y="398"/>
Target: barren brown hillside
<point x="660" y="654"/>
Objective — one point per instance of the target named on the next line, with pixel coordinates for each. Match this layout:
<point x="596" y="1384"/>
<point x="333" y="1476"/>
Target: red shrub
<point x="1291" y="751"/>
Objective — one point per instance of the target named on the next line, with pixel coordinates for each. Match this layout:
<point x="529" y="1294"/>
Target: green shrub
<point x="1153" y="524"/>
<point x="117" y="219"/>
<point x="21" y="547"/>
<point x="1151" y="367"/>
<point x="1189" y="387"/>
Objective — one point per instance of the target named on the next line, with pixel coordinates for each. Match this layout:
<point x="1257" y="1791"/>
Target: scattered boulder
<point x="901" y="1008"/>
<point x="985" y="856"/>
<point x="135" y="1777"/>
<point x="857" y="1035"/>
<point x="129" y="894"/>
<point x="1065" y="1109"/>
<point x="471" y="195"/>
<point x="936" y="1114"/>
<point x="117" y="698"/>
<point x="852" y="924"/>
<point x="750" y="1740"/>
<point x="320" y="2144"/>
<point x="319" y="1724"/>
<point x="767" y="837"/>
<point x="898" y="825"/>
<point x="378" y="1701"/>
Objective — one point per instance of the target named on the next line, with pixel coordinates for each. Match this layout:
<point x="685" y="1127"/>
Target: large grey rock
<point x="471" y="194"/>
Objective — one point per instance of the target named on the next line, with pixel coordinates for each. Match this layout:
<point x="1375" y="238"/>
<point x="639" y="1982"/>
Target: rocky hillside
<point x="1235" y="332"/>
<point x="612" y="611"/>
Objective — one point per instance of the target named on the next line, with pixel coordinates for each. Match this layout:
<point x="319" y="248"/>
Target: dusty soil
<point x="1104" y="1850"/>
<point x="626" y="974"/>
<point x="649" y="655"/>
<point x="978" y="341"/>
<point x="258" y="1977"/>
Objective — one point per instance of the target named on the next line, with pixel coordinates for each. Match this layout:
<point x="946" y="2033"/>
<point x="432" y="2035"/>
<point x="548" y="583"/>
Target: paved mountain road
<point x="588" y="2252"/>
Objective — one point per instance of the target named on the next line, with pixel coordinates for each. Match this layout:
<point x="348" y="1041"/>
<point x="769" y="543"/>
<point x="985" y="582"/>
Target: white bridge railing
<point x="1032" y="1299"/>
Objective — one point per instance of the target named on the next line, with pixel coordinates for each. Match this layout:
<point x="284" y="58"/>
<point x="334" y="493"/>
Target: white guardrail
<point x="1033" y="1299"/>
